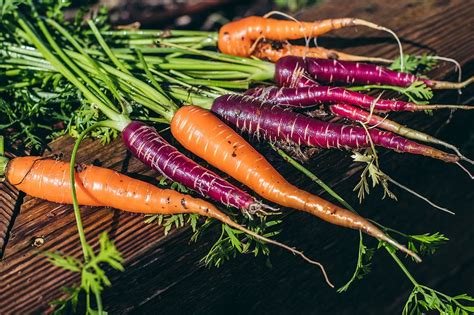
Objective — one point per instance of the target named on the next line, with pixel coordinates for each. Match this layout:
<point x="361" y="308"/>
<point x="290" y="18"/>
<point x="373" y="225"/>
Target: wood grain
<point x="164" y="273"/>
<point x="9" y="198"/>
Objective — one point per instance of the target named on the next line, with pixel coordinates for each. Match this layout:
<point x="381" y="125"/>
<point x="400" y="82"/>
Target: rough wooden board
<point x="8" y="201"/>
<point x="165" y="274"/>
<point x="22" y="267"/>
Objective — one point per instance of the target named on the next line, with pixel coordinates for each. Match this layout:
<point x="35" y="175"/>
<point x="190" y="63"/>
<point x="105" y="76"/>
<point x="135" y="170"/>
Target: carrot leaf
<point x="93" y="277"/>
<point x="65" y="262"/>
<point x="176" y="220"/>
<point x="424" y="299"/>
<point x="427" y="243"/>
<point x="232" y="242"/>
<point x="372" y="172"/>
<point x="414" y="64"/>
<point x="68" y="304"/>
<point x="8" y="7"/>
<point x="418" y="92"/>
<point x="364" y="258"/>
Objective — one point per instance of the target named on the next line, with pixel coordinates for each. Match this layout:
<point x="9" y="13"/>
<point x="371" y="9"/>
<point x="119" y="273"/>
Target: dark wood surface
<point x="163" y="274"/>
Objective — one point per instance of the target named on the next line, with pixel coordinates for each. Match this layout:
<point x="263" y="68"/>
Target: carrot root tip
<point x="443" y="85"/>
<point x="462" y="157"/>
<point x="258" y="208"/>
<point x="465" y="170"/>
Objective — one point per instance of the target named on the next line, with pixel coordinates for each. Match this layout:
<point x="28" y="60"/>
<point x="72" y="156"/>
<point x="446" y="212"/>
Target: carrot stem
<point x="348" y="206"/>
<point x="109" y="112"/>
<point x="313" y="177"/>
<point x="191" y="98"/>
<point x="147" y="71"/>
<point x="2" y="146"/>
<point x="79" y="48"/>
<point x="72" y="173"/>
<point x="402" y="267"/>
<point x="106" y="48"/>
<point x="160" y="33"/>
<point x="76" y="45"/>
<point x="98" y="300"/>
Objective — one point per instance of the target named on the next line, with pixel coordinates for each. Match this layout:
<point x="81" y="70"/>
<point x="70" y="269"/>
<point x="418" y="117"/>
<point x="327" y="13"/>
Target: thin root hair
<point x="411" y="191"/>
<point x="385" y="29"/>
<point x="457" y="66"/>
<point x="288" y="248"/>
<point x="258" y="208"/>
<point x="465" y="170"/>
<point x="457" y="151"/>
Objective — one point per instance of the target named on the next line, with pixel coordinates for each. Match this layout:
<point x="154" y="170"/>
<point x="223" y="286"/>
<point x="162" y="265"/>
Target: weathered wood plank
<point x="10" y="200"/>
<point x="22" y="265"/>
<point x="162" y="272"/>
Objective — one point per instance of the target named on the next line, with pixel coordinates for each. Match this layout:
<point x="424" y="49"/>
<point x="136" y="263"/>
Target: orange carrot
<point x="238" y="37"/>
<point x="205" y="135"/>
<point x="273" y="52"/>
<point x="96" y="186"/>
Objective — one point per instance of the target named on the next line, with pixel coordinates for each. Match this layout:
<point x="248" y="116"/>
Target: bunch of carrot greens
<point x="111" y="86"/>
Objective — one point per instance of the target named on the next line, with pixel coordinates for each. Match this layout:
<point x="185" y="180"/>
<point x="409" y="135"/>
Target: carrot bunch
<point x="123" y="85"/>
<point x="220" y="147"/>
<point x="198" y="130"/>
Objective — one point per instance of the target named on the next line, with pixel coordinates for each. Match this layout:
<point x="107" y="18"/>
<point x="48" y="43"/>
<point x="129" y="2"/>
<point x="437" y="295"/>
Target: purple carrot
<point x="356" y="114"/>
<point x="292" y="74"/>
<point x="273" y="123"/>
<point x="348" y="72"/>
<point x="313" y="95"/>
<point x="151" y="148"/>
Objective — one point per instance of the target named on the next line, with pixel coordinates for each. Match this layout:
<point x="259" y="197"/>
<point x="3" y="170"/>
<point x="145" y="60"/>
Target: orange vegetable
<point x="238" y="37"/>
<point x="272" y="52"/>
<point x="96" y="186"/>
<point x="205" y="135"/>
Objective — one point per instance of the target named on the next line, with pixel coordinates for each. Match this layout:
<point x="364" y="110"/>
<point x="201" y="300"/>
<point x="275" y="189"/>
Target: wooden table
<point x="163" y="274"/>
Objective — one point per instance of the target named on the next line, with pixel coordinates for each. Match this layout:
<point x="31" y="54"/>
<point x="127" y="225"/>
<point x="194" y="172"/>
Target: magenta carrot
<point x="152" y="149"/>
<point x="292" y="74"/>
<point x="371" y="119"/>
<point x="348" y="72"/>
<point x="312" y="95"/>
<point x="274" y="123"/>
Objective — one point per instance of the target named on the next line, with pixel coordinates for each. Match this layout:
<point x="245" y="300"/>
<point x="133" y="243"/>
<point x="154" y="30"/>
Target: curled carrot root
<point x="238" y="37"/>
<point x="274" y="52"/>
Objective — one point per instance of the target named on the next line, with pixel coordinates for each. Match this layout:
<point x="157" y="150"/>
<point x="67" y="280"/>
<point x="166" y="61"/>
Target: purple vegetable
<point x="269" y="122"/>
<point x="292" y="74"/>
<point x="313" y="95"/>
<point x="348" y="72"/>
<point x="152" y="149"/>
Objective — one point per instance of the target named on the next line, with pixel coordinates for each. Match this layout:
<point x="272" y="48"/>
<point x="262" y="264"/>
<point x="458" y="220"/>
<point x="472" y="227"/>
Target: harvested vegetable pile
<point x="91" y="80"/>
